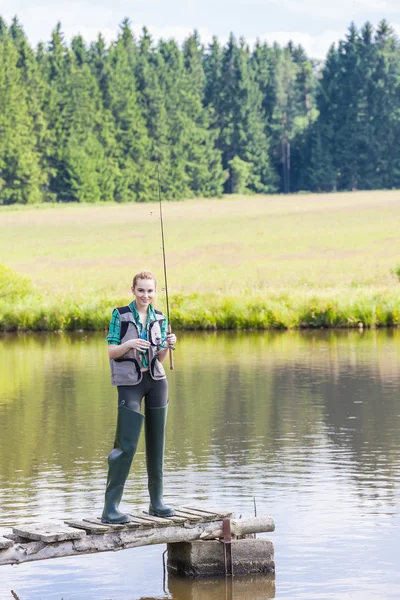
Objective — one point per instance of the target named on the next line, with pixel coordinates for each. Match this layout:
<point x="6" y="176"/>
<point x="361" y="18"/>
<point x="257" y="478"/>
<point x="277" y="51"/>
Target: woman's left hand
<point x="171" y="339"/>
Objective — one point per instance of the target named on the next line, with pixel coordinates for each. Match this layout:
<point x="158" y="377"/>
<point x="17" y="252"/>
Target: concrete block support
<point x="207" y="559"/>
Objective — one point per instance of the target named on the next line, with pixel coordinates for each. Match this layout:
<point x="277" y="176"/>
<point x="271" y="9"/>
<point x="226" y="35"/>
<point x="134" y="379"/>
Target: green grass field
<point x="290" y="259"/>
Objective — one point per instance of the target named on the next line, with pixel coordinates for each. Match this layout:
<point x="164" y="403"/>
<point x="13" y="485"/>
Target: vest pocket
<point x="156" y="369"/>
<point x="125" y="371"/>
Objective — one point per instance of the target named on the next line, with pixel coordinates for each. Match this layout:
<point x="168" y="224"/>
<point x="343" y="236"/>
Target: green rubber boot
<point x="154" y="425"/>
<point x="129" y="426"/>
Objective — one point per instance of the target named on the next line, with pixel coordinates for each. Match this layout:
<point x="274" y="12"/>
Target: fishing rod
<point x="171" y="357"/>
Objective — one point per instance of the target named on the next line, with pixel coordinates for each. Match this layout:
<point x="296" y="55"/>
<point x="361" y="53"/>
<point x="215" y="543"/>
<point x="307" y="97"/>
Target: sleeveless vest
<point x="126" y="369"/>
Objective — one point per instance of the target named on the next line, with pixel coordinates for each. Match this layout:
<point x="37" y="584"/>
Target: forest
<point x="98" y="122"/>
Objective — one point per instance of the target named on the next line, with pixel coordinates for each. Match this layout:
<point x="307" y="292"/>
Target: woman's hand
<point x="171" y="339"/>
<point x="137" y="344"/>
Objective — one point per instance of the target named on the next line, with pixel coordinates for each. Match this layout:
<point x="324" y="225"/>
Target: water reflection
<point x="251" y="587"/>
<point x="308" y="423"/>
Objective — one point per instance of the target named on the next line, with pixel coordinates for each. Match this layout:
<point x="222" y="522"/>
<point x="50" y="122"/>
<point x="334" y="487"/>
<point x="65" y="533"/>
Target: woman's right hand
<point x="137" y="344"/>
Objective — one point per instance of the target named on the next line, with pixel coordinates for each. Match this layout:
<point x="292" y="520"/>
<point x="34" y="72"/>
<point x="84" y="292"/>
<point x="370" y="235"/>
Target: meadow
<point x="305" y="260"/>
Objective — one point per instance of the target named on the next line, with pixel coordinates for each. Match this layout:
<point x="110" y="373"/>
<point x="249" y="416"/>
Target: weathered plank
<point x="86" y="525"/>
<point x="211" y="511"/>
<point x="140" y="520"/>
<point x="188" y="516"/>
<point x="177" y="519"/>
<point x="52" y="532"/>
<point x="112" y="526"/>
<point x="199" y="513"/>
<point x="133" y="538"/>
<point x="5" y="543"/>
<point x="158" y="521"/>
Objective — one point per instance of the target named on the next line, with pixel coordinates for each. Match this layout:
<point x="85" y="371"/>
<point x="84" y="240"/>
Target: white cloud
<point x="317" y="9"/>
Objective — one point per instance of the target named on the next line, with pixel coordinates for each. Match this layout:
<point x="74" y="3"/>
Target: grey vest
<point x="126" y="369"/>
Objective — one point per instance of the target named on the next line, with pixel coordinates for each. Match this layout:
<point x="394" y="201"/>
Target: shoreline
<point x="335" y="309"/>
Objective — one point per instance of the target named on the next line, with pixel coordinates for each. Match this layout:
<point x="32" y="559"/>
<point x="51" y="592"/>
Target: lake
<point x="306" y="423"/>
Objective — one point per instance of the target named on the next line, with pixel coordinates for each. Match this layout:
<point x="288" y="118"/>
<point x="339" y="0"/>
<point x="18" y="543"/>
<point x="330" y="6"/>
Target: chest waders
<point x="129" y="426"/>
<point x="154" y="424"/>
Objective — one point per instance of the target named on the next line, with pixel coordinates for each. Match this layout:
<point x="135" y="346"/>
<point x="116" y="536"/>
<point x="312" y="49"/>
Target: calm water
<point x="307" y="423"/>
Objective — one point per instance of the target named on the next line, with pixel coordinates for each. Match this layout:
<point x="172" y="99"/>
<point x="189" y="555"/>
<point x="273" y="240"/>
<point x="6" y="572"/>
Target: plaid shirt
<point x="114" y="331"/>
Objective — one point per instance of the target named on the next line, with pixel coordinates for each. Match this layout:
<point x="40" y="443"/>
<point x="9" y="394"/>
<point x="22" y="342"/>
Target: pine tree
<point x="37" y="90"/>
<point x="203" y="160"/>
<point x="239" y="119"/>
<point x="3" y="29"/>
<point x="149" y="67"/>
<point x="100" y="64"/>
<point x="136" y="179"/>
<point x="212" y="64"/>
<point x="21" y="176"/>
<point x="55" y="66"/>
<point x="290" y="98"/>
<point x="385" y="101"/>
<point x="88" y="160"/>
<point x="171" y="78"/>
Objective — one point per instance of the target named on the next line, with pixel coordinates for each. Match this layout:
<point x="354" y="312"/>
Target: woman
<point x="138" y="344"/>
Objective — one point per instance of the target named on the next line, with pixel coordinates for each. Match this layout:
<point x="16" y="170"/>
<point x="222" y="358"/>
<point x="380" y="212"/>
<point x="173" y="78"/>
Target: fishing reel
<point x="161" y="345"/>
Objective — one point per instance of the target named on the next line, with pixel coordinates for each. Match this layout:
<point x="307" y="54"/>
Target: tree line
<point x="105" y="122"/>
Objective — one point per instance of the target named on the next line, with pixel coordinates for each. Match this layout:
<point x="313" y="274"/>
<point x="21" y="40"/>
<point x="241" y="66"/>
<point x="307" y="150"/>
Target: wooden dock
<point x="85" y="536"/>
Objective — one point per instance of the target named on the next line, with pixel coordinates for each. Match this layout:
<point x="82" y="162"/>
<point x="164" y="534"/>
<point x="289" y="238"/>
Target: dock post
<point x="207" y="558"/>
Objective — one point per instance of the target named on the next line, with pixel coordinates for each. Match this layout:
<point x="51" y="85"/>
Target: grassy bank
<point x="336" y="308"/>
<point x="238" y="262"/>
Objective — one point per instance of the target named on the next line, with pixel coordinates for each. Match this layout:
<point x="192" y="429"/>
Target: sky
<point x="315" y="24"/>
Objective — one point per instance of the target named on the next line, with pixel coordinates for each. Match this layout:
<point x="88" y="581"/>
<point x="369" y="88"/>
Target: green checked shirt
<point x="114" y="331"/>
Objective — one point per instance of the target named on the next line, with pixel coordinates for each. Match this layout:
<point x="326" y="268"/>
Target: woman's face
<point x="144" y="292"/>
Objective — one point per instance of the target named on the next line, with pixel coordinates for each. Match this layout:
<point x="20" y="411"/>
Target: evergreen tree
<point x="55" y="66"/>
<point x="3" y="29"/>
<point x="136" y="180"/>
<point x="149" y="66"/>
<point x="21" y="177"/>
<point x="212" y="64"/>
<point x="36" y="89"/>
<point x="203" y="160"/>
<point x="320" y="161"/>
<point x="89" y="161"/>
<point x="290" y="98"/>
<point x="385" y="102"/>
<point x="100" y="64"/>
<point x="239" y="118"/>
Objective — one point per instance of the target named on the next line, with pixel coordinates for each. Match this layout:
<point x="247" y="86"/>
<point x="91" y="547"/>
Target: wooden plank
<point x="212" y="511"/>
<point x="188" y="516"/>
<point x="90" y="527"/>
<point x="158" y="521"/>
<point x="16" y="538"/>
<point x="177" y="519"/>
<point x="5" y="543"/>
<point x="52" y="532"/>
<point x="112" y="526"/>
<point x="200" y="513"/>
<point x="139" y="520"/>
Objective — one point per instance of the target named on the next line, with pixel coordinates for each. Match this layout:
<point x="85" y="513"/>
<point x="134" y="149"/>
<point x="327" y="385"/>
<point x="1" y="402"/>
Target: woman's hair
<point x="143" y="275"/>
